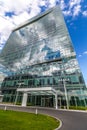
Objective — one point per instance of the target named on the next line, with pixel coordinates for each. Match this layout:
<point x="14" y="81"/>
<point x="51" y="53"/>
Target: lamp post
<point x="65" y="90"/>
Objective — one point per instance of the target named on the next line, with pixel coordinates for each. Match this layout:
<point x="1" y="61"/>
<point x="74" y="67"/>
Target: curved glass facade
<point x="40" y="53"/>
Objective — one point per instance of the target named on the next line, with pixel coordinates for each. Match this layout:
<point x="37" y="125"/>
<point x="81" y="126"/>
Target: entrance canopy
<point x="38" y="91"/>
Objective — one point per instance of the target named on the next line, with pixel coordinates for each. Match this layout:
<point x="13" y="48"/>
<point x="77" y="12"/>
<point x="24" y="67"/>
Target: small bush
<point x="78" y="108"/>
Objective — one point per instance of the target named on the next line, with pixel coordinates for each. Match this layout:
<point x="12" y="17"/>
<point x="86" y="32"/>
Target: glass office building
<point x="42" y="64"/>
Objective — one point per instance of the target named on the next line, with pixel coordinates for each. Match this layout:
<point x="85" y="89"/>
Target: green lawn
<point x="11" y="120"/>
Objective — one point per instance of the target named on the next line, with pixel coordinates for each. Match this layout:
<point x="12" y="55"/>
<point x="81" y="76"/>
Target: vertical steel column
<point x="16" y="98"/>
<point x="56" y="101"/>
<point x="24" y="100"/>
<point x="66" y="96"/>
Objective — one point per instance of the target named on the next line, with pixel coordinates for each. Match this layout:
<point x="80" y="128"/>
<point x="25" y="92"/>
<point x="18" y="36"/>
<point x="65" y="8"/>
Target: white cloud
<point x="79" y="55"/>
<point x="62" y="4"/>
<point x="76" y="10"/>
<point x="73" y="8"/>
<point x="17" y="6"/>
<point x="73" y="3"/>
<point x="84" y="13"/>
<point x="85" y="52"/>
<point x="67" y="13"/>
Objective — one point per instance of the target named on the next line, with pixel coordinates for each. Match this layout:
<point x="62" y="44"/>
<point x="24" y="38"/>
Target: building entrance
<point x="44" y="96"/>
<point x="43" y="101"/>
<point x="47" y="101"/>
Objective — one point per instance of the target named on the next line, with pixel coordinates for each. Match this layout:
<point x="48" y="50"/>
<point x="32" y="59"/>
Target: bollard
<point x="5" y="108"/>
<point x="36" y="111"/>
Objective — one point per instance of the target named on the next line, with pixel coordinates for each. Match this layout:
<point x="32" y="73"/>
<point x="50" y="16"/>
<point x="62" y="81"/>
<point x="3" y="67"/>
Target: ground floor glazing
<point x="45" y="100"/>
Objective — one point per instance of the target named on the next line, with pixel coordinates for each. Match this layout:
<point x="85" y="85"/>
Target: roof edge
<point x="33" y="19"/>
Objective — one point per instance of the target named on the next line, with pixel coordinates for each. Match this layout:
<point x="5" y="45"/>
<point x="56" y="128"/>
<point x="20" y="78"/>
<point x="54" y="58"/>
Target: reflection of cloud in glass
<point x="71" y="66"/>
<point x="37" y="42"/>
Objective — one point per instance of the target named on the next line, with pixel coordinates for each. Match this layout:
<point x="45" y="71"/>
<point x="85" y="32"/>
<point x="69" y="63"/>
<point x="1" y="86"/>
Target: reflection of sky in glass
<point x="43" y="40"/>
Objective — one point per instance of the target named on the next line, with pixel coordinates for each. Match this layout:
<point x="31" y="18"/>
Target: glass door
<point x="43" y="102"/>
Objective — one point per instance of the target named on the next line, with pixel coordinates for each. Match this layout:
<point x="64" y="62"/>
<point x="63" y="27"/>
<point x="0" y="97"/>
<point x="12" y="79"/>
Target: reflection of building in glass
<point x="42" y="61"/>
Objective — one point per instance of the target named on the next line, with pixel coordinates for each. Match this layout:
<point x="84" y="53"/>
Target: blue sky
<point x="14" y="12"/>
<point x="78" y="34"/>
